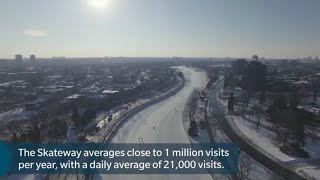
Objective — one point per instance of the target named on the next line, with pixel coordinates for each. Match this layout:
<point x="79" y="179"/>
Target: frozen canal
<point x="161" y="123"/>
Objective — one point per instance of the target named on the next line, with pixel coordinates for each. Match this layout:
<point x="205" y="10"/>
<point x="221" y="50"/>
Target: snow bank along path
<point x="161" y="123"/>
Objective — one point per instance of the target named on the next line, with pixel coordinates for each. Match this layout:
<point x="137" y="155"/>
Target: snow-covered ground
<point x="18" y="113"/>
<point x="265" y="137"/>
<point x="25" y="177"/>
<point x="160" y="123"/>
<point x="311" y="172"/>
<point x="265" y="141"/>
<point x="255" y="170"/>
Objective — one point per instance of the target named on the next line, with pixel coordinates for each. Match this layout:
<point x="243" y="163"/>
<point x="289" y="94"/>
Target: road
<point x="275" y="166"/>
<point x="160" y="123"/>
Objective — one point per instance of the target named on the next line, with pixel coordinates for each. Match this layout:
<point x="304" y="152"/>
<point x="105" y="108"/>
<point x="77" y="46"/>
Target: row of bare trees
<point x="191" y="109"/>
<point x="38" y="129"/>
<point x="287" y="120"/>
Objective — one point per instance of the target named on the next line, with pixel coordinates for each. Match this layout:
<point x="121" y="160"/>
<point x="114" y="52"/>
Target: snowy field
<point x="161" y="123"/>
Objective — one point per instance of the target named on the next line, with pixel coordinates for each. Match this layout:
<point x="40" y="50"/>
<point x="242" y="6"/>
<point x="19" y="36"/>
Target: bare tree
<point x="17" y="131"/>
<point x="258" y="110"/>
<point x="245" y="166"/>
<point x="58" y="129"/>
<point x="215" y="126"/>
<point x="34" y="131"/>
<point x="243" y="110"/>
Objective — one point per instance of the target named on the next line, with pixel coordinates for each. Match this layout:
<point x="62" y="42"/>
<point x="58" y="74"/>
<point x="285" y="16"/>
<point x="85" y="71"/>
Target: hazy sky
<point x="206" y="28"/>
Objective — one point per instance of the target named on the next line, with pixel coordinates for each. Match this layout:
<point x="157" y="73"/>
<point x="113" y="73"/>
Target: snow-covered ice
<point x="161" y="123"/>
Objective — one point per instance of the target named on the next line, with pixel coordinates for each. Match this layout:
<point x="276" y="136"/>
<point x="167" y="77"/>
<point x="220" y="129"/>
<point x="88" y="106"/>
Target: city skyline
<point x="141" y="28"/>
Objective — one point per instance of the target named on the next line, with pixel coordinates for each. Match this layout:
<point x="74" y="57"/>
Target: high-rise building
<point x="19" y="57"/>
<point x="19" y="60"/>
<point x="32" y="57"/>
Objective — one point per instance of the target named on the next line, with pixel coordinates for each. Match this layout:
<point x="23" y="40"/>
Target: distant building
<point x="255" y="57"/>
<point x="32" y="57"/>
<point x="19" y="60"/>
<point x="19" y="57"/>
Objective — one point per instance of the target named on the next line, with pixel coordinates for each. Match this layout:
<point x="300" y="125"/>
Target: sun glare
<point x="99" y="4"/>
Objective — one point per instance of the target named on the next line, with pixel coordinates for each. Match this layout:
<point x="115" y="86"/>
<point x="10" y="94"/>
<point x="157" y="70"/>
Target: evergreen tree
<point x="193" y="129"/>
<point x="58" y="129"/>
<point x="231" y="102"/>
<point x="34" y="132"/>
<point x="88" y="115"/>
<point x="315" y="95"/>
<point x="75" y="118"/>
